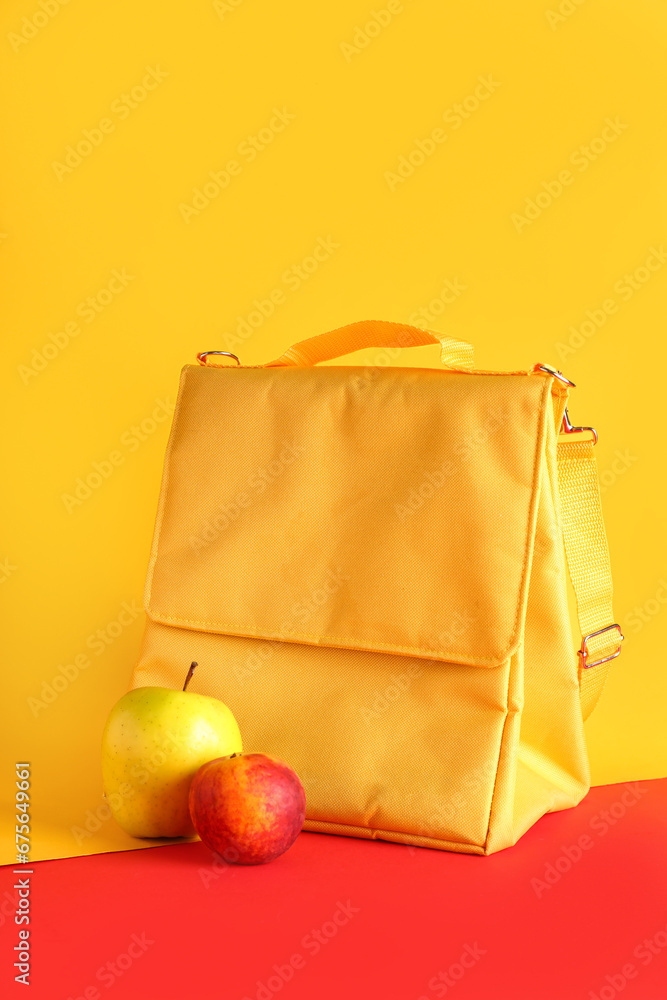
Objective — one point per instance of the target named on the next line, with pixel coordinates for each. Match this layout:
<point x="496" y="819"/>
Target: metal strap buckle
<point x="568" y="428"/>
<point x="584" y="653"/>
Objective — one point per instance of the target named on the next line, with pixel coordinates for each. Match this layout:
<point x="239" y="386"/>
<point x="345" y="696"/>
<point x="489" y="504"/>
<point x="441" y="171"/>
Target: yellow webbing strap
<point x="588" y="563"/>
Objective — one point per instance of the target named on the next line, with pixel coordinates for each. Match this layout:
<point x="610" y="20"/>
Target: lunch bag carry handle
<point x="373" y="333"/>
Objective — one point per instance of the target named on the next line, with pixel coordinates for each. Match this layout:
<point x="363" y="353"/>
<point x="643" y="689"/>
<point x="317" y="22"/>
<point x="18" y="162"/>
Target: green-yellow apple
<point x="154" y="742"/>
<point x="248" y="808"/>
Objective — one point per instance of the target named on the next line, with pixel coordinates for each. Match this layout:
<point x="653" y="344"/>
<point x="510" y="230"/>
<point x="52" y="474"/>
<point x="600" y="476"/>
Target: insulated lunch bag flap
<point x="391" y="512"/>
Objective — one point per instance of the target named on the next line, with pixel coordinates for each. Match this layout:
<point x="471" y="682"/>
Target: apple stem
<point x="190" y="673"/>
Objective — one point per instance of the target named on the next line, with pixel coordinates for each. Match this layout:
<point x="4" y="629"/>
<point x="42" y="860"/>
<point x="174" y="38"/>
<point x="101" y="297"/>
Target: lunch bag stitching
<point x="399" y="833"/>
<point x="500" y="749"/>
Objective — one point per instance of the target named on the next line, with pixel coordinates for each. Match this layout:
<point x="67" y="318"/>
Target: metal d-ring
<point x="567" y="427"/>
<point x="201" y="358"/>
<point x="556" y="374"/>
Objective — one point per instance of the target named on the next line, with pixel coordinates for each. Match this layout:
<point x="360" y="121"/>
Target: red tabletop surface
<point x="577" y="909"/>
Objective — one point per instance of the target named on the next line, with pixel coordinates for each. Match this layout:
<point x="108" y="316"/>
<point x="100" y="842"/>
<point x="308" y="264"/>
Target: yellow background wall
<point x="117" y="273"/>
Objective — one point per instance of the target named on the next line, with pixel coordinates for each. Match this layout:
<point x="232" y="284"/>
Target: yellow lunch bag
<point x="369" y="565"/>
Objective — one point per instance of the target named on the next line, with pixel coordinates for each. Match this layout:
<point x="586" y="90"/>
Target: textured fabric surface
<point x="307" y="503"/>
<point x="369" y="568"/>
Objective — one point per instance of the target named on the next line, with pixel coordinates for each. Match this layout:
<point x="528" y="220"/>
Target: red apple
<point x="248" y="808"/>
